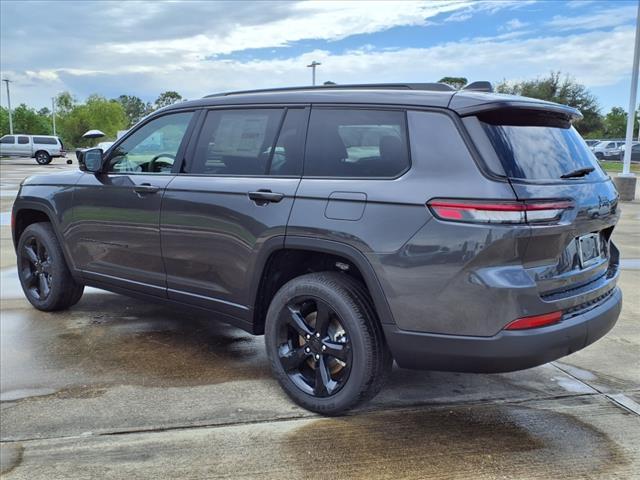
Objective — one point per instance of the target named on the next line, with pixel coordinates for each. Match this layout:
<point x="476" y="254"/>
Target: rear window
<point x="541" y="152"/>
<point x="356" y="143"/>
<point x="45" y="140"/>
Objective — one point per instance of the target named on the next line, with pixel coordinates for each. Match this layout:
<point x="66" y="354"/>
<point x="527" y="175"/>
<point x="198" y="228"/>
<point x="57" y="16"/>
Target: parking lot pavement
<point x="119" y="388"/>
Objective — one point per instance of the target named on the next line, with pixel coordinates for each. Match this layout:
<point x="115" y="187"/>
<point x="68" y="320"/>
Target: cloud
<point x="196" y="48"/>
<point x="599" y="20"/>
<point x="513" y="24"/>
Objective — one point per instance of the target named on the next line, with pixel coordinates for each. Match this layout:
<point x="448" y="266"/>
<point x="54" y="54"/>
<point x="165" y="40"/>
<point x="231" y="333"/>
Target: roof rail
<point x="437" y="87"/>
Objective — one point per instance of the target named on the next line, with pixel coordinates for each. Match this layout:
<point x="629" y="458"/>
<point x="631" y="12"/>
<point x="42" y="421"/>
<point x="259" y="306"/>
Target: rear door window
<point x="23" y="140"/>
<point x="543" y="150"/>
<point x="237" y="142"/>
<point x="356" y="143"/>
<point x="45" y="140"/>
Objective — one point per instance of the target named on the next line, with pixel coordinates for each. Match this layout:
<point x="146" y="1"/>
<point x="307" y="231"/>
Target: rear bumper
<point x="508" y="350"/>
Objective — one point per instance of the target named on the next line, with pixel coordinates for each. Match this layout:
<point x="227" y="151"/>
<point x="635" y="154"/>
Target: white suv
<point x="41" y="147"/>
<point x="606" y="146"/>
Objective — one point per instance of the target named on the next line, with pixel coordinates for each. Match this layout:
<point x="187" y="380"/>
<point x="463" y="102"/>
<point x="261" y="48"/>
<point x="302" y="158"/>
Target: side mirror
<point x="90" y="160"/>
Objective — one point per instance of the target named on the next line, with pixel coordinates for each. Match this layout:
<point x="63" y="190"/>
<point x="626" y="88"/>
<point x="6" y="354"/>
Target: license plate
<point x="589" y="249"/>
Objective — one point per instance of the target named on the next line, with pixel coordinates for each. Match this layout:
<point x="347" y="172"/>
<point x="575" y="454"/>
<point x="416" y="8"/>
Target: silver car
<point x="41" y="147"/>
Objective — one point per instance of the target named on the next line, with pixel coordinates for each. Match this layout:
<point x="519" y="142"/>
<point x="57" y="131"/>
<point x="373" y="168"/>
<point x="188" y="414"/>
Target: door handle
<point x="146" y="188"/>
<point x="262" y="197"/>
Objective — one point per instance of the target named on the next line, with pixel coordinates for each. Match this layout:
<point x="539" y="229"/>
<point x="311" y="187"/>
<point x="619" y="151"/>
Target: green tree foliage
<point x="455" y="82"/>
<point x="4" y="121"/>
<point x="565" y="90"/>
<point x="65" y="103"/>
<point x="167" y="98"/>
<point x="25" y="120"/>
<point x="97" y="113"/>
<point x="614" y="125"/>
<point x="134" y="108"/>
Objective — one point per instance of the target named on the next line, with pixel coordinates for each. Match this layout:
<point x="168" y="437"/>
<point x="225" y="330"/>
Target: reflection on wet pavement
<point x="421" y="443"/>
<point x="106" y="341"/>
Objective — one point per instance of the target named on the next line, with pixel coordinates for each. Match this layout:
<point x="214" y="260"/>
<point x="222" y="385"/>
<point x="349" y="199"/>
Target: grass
<point x="616" y="167"/>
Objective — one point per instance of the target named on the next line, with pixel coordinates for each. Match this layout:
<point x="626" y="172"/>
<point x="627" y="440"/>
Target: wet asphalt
<point x="119" y="388"/>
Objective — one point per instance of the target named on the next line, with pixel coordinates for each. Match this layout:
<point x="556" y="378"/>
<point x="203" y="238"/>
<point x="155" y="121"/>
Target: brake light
<point x="514" y="212"/>
<point x="535" y="321"/>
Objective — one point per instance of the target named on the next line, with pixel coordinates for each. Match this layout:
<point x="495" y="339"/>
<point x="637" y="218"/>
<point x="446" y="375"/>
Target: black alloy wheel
<point x="313" y="347"/>
<point x="36" y="267"/>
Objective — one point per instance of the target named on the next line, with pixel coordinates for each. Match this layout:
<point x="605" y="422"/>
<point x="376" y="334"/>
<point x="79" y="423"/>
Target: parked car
<point x="606" y="146"/>
<point x="41" y="147"/>
<point x="618" y="153"/>
<point x="350" y="225"/>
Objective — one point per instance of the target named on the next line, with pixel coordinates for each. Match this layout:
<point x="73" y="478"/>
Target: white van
<point x="41" y="147"/>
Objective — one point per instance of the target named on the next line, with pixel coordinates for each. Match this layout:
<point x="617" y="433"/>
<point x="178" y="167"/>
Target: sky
<point x="198" y="48"/>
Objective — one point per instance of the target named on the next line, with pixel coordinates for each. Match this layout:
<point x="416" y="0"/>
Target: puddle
<point x="111" y="340"/>
<point x="12" y="395"/>
<point x="10" y="285"/>
<point x="10" y="457"/>
<point x="469" y="442"/>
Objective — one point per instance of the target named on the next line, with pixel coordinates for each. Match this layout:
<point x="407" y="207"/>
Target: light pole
<point x="313" y="66"/>
<point x="626" y="181"/>
<point x="53" y="114"/>
<point x="9" y="105"/>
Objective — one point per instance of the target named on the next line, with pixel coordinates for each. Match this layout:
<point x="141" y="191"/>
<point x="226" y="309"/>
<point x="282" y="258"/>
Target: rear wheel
<point x="44" y="275"/>
<point x="43" y="158"/>
<point x="324" y="344"/>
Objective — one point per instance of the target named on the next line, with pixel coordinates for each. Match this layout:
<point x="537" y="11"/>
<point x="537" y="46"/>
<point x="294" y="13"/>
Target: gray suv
<point x="352" y="226"/>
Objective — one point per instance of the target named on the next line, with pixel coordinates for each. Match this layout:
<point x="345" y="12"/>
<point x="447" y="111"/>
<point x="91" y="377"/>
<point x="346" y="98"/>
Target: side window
<point x="610" y="145"/>
<point x="287" y="156"/>
<point x="23" y="140"/>
<point x="236" y="142"/>
<point x="356" y="143"/>
<point x="45" y="140"/>
<point x="7" y="139"/>
<point x="153" y="147"/>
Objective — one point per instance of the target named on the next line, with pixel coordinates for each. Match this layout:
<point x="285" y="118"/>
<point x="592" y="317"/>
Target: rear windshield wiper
<point x="580" y="172"/>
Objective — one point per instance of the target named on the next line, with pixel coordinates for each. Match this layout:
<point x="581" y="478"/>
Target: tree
<point x="4" y="121"/>
<point x="65" y="103"/>
<point x="27" y="120"/>
<point x="455" y="82"/>
<point x="615" y="124"/>
<point x="565" y="90"/>
<point x="167" y="98"/>
<point x="134" y="108"/>
<point x="96" y="113"/>
<point x="44" y="111"/>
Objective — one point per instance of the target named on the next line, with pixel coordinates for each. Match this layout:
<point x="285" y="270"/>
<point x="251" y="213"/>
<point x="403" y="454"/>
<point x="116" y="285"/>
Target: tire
<point x="43" y="272"/>
<point x="295" y="359"/>
<point x="42" y="157"/>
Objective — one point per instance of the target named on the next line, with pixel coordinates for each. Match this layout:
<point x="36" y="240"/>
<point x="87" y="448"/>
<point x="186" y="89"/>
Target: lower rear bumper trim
<point x="508" y="350"/>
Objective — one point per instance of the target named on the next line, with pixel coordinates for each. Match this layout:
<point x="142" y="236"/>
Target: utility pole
<point x="626" y="181"/>
<point x="53" y="114"/>
<point x="313" y="66"/>
<point x="9" y="105"/>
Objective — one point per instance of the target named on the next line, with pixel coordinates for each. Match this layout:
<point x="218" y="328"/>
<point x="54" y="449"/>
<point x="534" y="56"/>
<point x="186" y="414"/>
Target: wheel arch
<point x="26" y="213"/>
<point x="264" y="285"/>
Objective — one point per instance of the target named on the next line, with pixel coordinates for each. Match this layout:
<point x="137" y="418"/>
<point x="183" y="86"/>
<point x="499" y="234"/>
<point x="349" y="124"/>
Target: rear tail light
<point x="535" y="321"/>
<point x="513" y="212"/>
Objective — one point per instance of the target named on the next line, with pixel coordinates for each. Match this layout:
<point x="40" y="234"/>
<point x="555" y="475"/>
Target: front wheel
<point x="44" y="275"/>
<point x="43" y="158"/>
<point x="324" y="343"/>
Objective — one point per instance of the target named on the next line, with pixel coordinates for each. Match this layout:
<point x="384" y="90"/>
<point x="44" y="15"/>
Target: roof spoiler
<point x="481" y="86"/>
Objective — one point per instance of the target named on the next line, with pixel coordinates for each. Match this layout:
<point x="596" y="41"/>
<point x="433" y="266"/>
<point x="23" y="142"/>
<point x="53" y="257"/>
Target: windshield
<point x="541" y="152"/>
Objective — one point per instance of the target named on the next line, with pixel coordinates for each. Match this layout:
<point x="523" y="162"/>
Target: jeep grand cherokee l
<point x="352" y="226"/>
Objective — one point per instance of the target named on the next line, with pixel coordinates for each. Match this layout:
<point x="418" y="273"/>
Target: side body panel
<point x="413" y="272"/>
